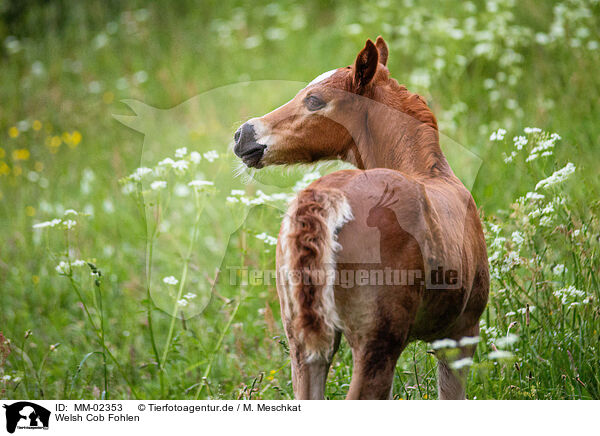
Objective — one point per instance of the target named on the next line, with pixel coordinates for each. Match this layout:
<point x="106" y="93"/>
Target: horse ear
<point x="382" y="48"/>
<point x="365" y="66"/>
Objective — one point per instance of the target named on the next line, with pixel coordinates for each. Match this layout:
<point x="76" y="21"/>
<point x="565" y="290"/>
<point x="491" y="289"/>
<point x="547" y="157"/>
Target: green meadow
<point x="120" y="198"/>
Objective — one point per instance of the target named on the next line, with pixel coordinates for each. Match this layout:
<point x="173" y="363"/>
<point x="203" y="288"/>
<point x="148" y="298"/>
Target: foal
<point x="385" y="254"/>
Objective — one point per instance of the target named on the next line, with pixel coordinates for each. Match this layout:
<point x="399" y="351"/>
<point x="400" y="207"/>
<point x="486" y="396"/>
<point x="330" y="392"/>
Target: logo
<point x="26" y="415"/>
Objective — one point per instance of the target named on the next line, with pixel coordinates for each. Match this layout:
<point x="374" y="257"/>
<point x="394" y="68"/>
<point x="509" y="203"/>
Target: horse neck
<point x="398" y="141"/>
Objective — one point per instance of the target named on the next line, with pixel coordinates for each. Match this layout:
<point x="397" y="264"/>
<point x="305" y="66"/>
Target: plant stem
<point x="182" y="281"/>
<point x="217" y="348"/>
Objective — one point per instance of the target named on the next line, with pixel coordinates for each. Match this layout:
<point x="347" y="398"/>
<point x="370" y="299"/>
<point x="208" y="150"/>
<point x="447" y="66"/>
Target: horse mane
<point x="408" y="102"/>
<point x="398" y="97"/>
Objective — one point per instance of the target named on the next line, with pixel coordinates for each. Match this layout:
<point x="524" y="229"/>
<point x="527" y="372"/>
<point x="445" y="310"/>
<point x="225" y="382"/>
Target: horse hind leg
<point x="452" y="381"/>
<point x="374" y="362"/>
<point x="309" y="372"/>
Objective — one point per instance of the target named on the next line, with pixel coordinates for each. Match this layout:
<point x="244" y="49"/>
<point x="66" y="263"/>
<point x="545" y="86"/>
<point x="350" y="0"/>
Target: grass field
<point x="86" y="301"/>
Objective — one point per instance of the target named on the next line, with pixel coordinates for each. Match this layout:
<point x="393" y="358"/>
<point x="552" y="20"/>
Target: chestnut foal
<point x="385" y="254"/>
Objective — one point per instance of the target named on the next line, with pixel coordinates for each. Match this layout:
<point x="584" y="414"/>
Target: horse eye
<point x="313" y="103"/>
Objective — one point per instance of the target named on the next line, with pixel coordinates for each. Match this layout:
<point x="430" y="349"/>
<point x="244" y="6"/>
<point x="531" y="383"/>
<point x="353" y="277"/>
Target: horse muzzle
<point x="246" y="147"/>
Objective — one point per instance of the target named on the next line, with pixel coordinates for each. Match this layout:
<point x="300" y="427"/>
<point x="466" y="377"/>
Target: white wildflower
<point x="63" y="268"/>
<point x="495" y="228"/>
<point x="523" y="310"/>
<point x="181" y="152"/>
<point x="158" y="184"/>
<point x="511" y="261"/>
<point x="267" y="239"/>
<point x="70" y="212"/>
<point x="469" y="340"/>
<point x="170" y="280"/>
<point x="238" y="192"/>
<point x="559" y="269"/>
<point x="166" y="162"/>
<point x="557" y="177"/>
<point x="444" y="343"/>
<point x="128" y="188"/>
<point x="183" y="302"/>
<point x="532" y="157"/>
<point x="461" y="363"/>
<point x="44" y="224"/>
<point x="69" y="224"/>
<point x="534" y="196"/>
<point x="307" y="179"/>
<point x="189" y="296"/>
<point x="139" y="173"/>
<point x="281" y="196"/>
<point x="500" y="354"/>
<point x="198" y="184"/>
<point x="520" y="142"/>
<point x="211" y="155"/>
<point x="545" y="221"/>
<point x="507" y="340"/>
<point x="232" y="200"/>
<point x="530" y="130"/>
<point x="195" y="157"/>
<point x="509" y="158"/>
<point x="498" y="242"/>
<point x="517" y="237"/>
<point x="180" y="165"/>
<point x="570" y="295"/>
<point x="498" y="135"/>
<point x="182" y="190"/>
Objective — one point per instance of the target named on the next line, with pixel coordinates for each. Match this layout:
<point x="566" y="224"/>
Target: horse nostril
<point x="245" y="140"/>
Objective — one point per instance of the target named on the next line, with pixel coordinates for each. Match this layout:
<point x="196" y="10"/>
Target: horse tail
<point x="309" y="243"/>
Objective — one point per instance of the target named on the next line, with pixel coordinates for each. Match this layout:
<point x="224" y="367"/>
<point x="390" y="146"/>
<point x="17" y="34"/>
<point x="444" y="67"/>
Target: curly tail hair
<point x="314" y="218"/>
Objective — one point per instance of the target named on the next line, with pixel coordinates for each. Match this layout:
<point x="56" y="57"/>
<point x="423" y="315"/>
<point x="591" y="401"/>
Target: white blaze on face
<point x="262" y="133"/>
<point x="322" y="77"/>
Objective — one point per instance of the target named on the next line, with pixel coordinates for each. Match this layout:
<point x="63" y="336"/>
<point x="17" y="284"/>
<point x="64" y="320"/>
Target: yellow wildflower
<point x="30" y="211"/>
<point x="4" y="169"/>
<point x="39" y="166"/>
<point x="13" y="132"/>
<point x="35" y="280"/>
<point x="272" y="372"/>
<point x="55" y="141"/>
<point x="108" y="97"/>
<point x="75" y="138"/>
<point x="37" y="125"/>
<point x="20" y="154"/>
